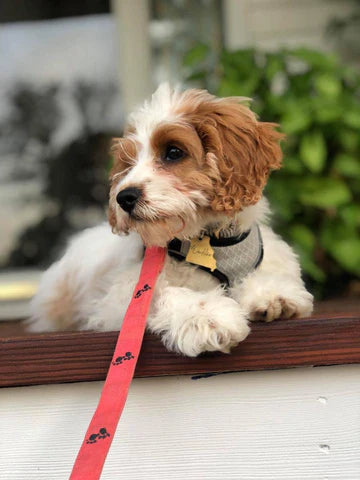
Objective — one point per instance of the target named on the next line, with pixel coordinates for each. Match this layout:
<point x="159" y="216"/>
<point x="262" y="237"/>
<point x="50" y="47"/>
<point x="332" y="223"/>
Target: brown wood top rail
<point x="324" y="339"/>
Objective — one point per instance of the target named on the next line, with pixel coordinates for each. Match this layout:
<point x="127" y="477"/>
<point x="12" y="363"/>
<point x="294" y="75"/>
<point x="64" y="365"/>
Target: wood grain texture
<point x="84" y="356"/>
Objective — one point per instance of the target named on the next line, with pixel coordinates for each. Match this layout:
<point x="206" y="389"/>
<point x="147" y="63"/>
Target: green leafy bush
<point x="316" y="195"/>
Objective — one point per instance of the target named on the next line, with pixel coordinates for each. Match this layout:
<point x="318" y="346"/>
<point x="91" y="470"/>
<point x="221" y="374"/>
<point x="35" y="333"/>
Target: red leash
<point x="93" y="451"/>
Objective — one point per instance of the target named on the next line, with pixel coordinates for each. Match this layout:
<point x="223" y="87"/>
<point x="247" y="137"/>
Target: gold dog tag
<point x="201" y="253"/>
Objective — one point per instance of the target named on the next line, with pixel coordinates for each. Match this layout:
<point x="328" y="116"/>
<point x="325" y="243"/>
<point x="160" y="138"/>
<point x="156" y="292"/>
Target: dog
<point x="188" y="175"/>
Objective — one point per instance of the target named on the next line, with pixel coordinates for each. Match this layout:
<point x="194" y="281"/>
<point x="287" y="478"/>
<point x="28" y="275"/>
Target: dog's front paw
<point x="276" y="307"/>
<point x="215" y="327"/>
<point x="199" y="322"/>
<point x="270" y="300"/>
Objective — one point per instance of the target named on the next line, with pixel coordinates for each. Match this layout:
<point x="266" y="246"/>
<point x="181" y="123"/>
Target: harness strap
<point x="94" y="449"/>
<point x="235" y="256"/>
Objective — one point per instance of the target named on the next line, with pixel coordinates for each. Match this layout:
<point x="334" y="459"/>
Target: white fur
<point x="89" y="263"/>
<point x="190" y="311"/>
<point x="91" y="285"/>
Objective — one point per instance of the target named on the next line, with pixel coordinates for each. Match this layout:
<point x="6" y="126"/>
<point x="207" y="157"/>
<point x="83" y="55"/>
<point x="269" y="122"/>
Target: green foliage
<point x="316" y="195"/>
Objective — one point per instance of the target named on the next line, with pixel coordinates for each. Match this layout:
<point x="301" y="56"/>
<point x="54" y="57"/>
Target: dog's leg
<point x="72" y="289"/>
<point x="108" y="312"/>
<point x="54" y="306"/>
<point x="192" y="322"/>
<point x="275" y="289"/>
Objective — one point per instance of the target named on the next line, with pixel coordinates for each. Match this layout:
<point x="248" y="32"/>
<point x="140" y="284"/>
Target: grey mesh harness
<point x="235" y="256"/>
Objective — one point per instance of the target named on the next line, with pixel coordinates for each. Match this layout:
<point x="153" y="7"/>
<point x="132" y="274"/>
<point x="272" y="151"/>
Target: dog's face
<point x="188" y="159"/>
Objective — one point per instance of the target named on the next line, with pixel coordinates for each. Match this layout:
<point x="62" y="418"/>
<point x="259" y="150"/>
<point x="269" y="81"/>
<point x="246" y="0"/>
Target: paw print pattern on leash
<point x="145" y="288"/>
<point x="94" y="437"/>
<point x="123" y="358"/>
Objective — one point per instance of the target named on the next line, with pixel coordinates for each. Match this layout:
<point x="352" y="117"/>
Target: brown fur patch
<point x="191" y="172"/>
<point x="182" y="136"/>
<point x="124" y="151"/>
<point x="245" y="149"/>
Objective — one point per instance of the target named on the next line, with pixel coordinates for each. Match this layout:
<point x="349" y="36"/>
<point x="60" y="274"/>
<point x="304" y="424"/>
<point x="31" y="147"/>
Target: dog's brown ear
<point x="246" y="150"/>
<point x="123" y="151"/>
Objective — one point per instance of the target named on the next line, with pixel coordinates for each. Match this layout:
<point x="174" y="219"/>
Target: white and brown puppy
<point x="190" y="166"/>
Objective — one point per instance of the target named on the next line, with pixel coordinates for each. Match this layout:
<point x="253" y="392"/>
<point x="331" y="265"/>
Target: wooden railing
<point x="324" y="339"/>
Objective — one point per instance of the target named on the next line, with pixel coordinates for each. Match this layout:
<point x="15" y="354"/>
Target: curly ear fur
<point x="246" y="150"/>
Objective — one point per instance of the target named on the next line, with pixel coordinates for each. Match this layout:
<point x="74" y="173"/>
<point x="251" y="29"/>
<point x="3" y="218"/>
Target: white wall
<point x="300" y="424"/>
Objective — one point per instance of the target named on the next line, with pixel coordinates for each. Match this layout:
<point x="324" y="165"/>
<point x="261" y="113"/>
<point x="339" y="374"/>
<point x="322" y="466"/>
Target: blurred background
<point x="71" y="71"/>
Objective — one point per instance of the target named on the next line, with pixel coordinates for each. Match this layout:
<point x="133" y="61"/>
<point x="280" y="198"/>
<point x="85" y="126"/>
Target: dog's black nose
<point x="127" y="198"/>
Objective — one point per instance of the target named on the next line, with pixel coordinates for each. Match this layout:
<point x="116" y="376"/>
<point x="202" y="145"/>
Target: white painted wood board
<point x="295" y="424"/>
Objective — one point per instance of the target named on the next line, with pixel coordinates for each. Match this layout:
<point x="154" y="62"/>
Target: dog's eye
<point x="172" y="153"/>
